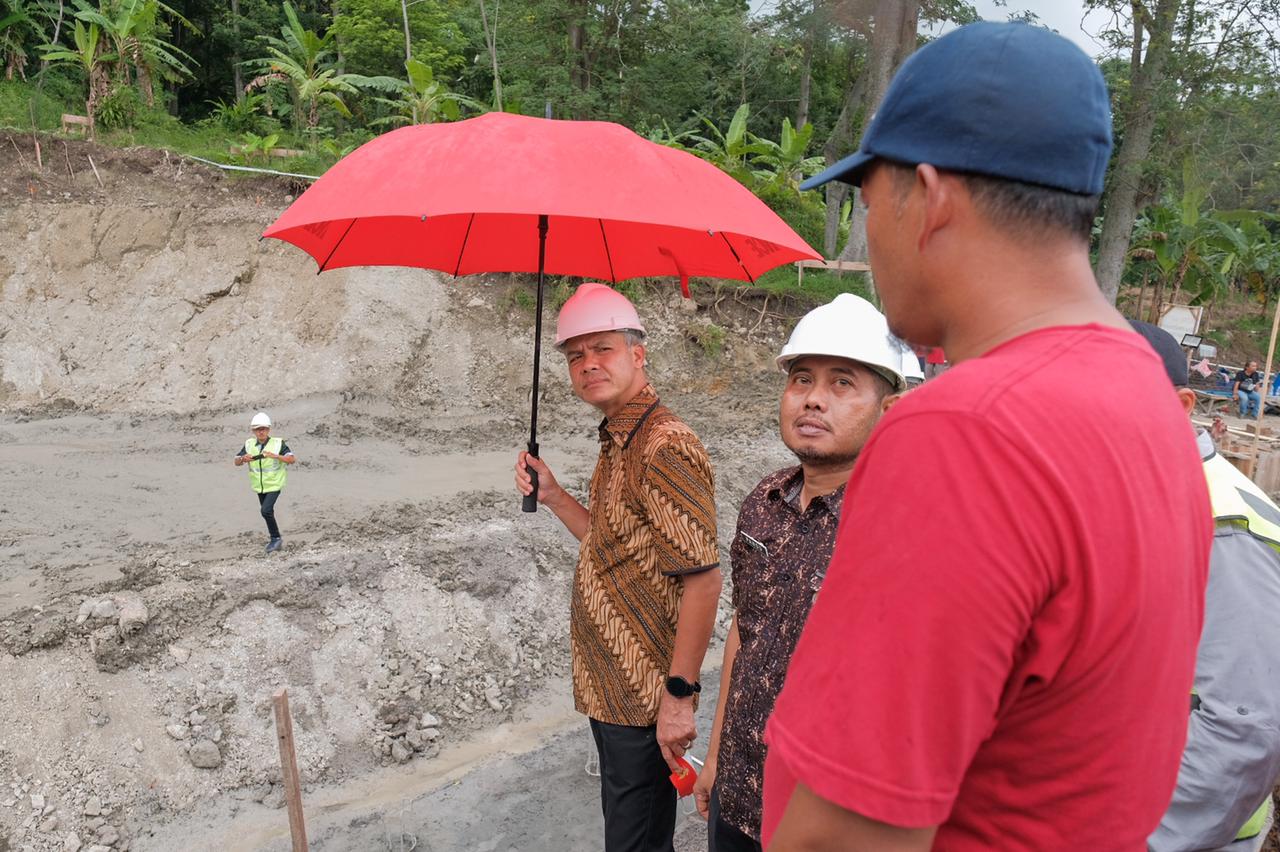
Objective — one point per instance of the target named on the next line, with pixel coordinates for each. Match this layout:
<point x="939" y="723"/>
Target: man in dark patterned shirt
<point x="647" y="584"/>
<point x="843" y="369"/>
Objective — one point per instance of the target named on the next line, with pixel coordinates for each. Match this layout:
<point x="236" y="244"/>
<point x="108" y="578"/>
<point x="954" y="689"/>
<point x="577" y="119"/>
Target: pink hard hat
<point x="595" y="307"/>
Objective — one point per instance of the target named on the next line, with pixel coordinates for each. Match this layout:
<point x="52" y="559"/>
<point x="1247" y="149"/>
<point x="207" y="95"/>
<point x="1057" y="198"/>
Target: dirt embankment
<point x="414" y="607"/>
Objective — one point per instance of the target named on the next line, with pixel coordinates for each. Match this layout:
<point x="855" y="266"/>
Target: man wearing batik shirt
<point x="647" y="584"/>
<point x="842" y="370"/>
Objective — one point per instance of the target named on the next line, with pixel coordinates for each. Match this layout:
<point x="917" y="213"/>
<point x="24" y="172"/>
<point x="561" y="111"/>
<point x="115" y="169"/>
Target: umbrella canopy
<point x="508" y="193"/>
<point x="466" y="197"/>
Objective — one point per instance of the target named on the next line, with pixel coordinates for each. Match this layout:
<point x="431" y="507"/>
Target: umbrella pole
<point x="530" y="503"/>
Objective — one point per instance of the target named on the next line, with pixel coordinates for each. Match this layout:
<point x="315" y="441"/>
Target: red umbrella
<point x="509" y="193"/>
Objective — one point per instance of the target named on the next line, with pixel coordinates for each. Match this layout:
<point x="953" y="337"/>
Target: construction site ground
<point x="417" y="618"/>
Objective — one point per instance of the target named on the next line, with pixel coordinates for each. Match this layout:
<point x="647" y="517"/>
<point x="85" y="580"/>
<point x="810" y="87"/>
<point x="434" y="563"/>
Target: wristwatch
<point x="678" y="687"/>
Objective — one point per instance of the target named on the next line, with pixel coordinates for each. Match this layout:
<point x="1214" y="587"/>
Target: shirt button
<point x="804" y="527"/>
<point x="788" y="577"/>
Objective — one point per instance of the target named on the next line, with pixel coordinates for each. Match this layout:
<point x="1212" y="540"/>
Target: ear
<point x="939" y="202"/>
<point x="638" y="355"/>
<point x="889" y="401"/>
<point x="1187" y="397"/>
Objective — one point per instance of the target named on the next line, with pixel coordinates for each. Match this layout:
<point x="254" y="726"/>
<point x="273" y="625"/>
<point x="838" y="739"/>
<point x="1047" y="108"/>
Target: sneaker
<point x="274" y="544"/>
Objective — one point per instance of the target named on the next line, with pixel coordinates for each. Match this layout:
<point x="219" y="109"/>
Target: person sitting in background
<point x="1247" y="390"/>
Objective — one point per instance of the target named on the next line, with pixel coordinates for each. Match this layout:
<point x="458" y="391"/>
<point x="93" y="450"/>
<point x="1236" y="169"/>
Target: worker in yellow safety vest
<point x="1223" y="796"/>
<point x="267" y="458"/>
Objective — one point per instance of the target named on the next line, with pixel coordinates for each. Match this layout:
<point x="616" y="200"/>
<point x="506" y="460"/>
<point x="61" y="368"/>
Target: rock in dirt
<point x="205" y="755"/>
<point x="93" y="807"/>
<point x="133" y="612"/>
<point x="400" y="752"/>
<point x="179" y="653"/>
<point x="177" y="731"/>
<point x="108" y="836"/>
<point x="71" y="843"/>
<point x="104" y="609"/>
<point x="50" y="825"/>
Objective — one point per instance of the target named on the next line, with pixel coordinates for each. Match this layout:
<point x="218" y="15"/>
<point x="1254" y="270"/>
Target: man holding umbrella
<point x="648" y="578"/>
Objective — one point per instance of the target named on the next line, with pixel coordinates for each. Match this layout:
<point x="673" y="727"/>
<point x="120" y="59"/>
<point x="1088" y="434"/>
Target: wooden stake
<point x="39" y="159"/>
<point x="1262" y="406"/>
<point x="21" y="159"/>
<point x="95" y="171"/>
<point x="67" y="156"/>
<point x="289" y="770"/>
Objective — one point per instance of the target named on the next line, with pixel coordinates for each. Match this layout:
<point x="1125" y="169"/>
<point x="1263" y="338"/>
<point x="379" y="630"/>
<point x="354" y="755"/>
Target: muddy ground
<point x="416" y="616"/>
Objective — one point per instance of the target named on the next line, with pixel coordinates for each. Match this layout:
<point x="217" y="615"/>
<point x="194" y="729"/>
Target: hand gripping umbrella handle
<point x="530" y="503"/>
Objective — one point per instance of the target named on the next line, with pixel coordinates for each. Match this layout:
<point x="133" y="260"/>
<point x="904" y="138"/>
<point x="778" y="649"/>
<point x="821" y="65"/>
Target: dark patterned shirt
<point x="779" y="557"/>
<point x="652" y="520"/>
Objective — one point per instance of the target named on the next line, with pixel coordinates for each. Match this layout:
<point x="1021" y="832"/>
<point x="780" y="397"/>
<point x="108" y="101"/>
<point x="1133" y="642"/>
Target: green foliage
<point x="119" y="108"/>
<point x="239" y="116"/>
<point x="20" y="101"/>
<point x="708" y="336"/>
<point x="421" y="99"/>
<point x="259" y="145"/>
<point x="372" y="36"/>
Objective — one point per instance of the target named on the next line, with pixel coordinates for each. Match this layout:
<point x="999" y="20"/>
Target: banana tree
<point x="301" y="60"/>
<point x="422" y="99"/>
<point x="88" y="56"/>
<point x="136" y="33"/>
<point x="728" y="150"/>
<point x="18" y="28"/>
<point x="784" y="161"/>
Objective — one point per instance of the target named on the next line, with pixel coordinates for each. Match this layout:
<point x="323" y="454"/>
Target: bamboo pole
<point x="289" y="770"/>
<point x="1262" y="406"/>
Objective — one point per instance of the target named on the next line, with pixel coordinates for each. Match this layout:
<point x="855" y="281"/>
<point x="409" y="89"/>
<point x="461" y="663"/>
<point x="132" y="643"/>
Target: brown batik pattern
<point x="779" y="558"/>
<point x="652" y="520"/>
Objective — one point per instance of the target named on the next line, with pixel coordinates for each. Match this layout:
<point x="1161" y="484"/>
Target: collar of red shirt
<point x="623" y="425"/>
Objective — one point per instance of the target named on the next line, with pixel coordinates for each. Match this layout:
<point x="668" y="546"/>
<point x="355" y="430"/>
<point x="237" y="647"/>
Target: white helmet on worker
<point x="595" y="307"/>
<point x="911" y="367"/>
<point x="848" y="327"/>
<point x="260" y="419"/>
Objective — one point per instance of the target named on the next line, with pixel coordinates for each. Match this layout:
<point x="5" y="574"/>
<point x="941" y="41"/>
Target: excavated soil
<point x="416" y="616"/>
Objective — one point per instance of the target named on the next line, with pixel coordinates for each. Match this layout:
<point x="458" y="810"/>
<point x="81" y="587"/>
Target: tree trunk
<point x="893" y="38"/>
<point x="1142" y="294"/>
<point x="806" y="67"/>
<point x="1157" y="300"/>
<point x="491" y="42"/>
<point x="1120" y="202"/>
<point x="578" y="52"/>
<point x="237" y="74"/>
<point x="408" y="46"/>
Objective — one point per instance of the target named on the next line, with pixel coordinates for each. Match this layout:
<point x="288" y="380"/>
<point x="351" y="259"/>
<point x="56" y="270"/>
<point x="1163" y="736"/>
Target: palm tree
<point x="88" y="56"/>
<point x="18" y="27"/>
<point x="422" y="99"/>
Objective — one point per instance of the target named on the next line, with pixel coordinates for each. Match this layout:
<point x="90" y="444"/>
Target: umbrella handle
<point x="530" y="502"/>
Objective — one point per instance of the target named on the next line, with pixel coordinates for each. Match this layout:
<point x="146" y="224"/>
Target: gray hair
<point x="632" y="336"/>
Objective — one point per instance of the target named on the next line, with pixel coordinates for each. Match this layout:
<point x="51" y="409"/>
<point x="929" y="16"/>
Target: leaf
<point x="737" y="129"/>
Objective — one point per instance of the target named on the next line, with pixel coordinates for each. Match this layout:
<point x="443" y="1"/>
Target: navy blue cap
<point x="1010" y="101"/>
<point x="1171" y="354"/>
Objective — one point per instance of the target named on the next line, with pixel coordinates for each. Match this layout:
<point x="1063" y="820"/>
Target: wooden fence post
<point x="289" y="770"/>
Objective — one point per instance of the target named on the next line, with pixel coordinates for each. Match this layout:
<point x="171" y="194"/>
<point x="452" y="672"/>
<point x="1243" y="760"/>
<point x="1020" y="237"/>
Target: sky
<point x="1065" y="16"/>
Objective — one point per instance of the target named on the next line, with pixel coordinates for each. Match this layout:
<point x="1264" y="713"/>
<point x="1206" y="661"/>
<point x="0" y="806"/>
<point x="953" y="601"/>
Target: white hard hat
<point x="260" y="419"/>
<point x="848" y="327"/>
<point x="595" y="307"/>
<point x="911" y="366"/>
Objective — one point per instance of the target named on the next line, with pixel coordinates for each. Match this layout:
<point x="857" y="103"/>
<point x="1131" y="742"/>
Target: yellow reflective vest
<point x="266" y="475"/>
<point x="1238" y="501"/>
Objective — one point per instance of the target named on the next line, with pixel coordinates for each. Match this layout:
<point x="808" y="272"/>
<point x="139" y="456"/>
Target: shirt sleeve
<point x="942" y="519"/>
<point x="284" y="449"/>
<point x="679" y="497"/>
<point x="1233" y="746"/>
<point x="243" y="452"/>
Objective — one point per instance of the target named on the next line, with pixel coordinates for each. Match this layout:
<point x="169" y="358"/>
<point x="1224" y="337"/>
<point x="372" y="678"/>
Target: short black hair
<point x="1027" y="208"/>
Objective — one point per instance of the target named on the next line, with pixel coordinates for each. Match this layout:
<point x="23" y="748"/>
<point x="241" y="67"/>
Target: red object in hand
<point x="684" y="778"/>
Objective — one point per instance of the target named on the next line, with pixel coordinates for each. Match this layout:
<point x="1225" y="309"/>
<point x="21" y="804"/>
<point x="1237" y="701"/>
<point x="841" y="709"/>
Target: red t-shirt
<point x="1012" y="661"/>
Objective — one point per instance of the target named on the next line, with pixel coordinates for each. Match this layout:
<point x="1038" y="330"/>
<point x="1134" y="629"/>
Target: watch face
<point x="679" y="687"/>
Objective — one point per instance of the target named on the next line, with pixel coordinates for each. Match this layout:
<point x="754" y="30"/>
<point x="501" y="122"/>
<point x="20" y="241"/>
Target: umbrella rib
<point x="465" y="237"/>
<point x="334" y="250"/>
<point x="613" y="279"/>
<point x="735" y="257"/>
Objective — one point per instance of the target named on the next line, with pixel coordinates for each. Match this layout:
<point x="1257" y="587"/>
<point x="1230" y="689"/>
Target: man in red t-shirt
<point x="1009" y="670"/>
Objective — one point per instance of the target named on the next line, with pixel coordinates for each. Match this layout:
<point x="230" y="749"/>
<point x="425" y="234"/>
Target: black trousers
<point x="268" y="503"/>
<point x="636" y="793"/>
<point x="722" y="837"/>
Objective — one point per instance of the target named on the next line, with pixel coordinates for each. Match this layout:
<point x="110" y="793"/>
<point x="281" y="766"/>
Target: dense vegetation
<point x="769" y="96"/>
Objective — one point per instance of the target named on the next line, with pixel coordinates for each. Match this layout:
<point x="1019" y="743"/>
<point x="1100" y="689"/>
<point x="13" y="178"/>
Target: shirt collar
<point x="623" y="425"/>
<point x="1204" y="443"/>
<point x="788" y="491"/>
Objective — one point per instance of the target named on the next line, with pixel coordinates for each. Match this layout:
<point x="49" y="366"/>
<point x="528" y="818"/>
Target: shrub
<point x="119" y="109"/>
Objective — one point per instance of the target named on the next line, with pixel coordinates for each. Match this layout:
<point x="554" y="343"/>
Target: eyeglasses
<point x="261" y="428"/>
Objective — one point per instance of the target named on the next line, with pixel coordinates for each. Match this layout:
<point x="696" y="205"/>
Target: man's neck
<point x="636" y="389"/>
<point x="819" y="481"/>
<point x="1033" y="291"/>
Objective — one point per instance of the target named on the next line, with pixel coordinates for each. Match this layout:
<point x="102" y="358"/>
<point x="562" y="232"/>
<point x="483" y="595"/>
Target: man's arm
<point x="698" y="606"/>
<point x="812" y="824"/>
<point x="702" y="790"/>
<point x="1232" y="756"/>
<point x="571" y="513"/>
